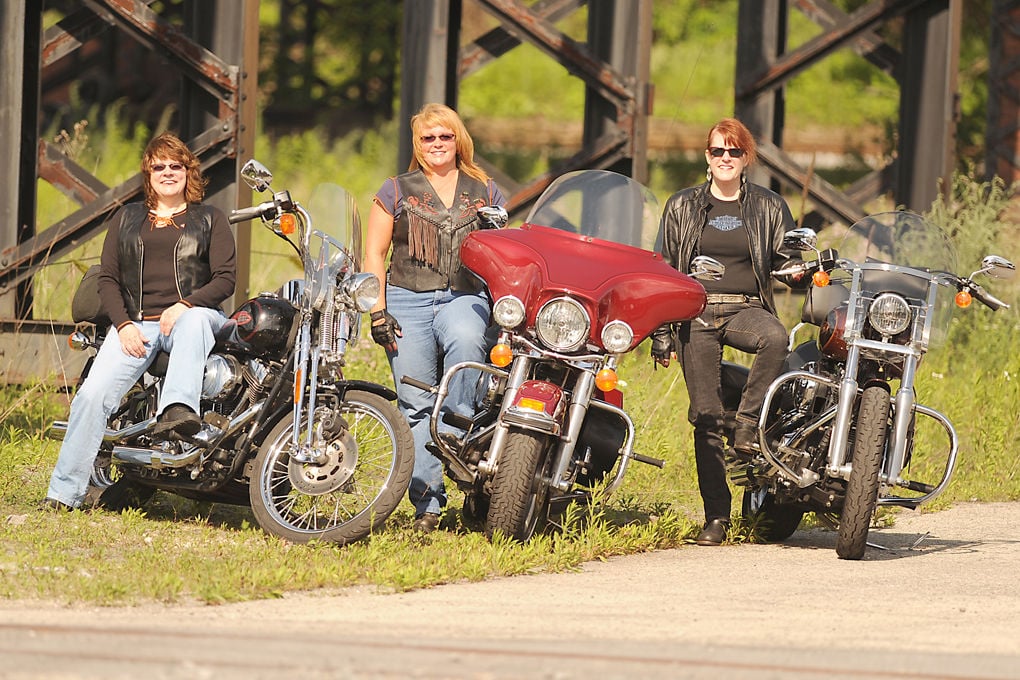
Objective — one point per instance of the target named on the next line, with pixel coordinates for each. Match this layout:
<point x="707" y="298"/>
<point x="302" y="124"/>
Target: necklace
<point x="160" y="221"/>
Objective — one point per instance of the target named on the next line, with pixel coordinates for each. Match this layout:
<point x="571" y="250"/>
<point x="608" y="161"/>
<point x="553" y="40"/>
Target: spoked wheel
<point x="518" y="496"/>
<point x="773" y="521"/>
<point x="862" y="489"/>
<point x="367" y="456"/>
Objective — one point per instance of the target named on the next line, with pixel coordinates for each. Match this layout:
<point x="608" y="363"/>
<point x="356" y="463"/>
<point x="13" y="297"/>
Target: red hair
<point x="735" y="134"/>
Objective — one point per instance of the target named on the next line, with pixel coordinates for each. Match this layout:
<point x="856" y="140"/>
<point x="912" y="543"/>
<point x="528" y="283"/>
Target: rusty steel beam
<point x="868" y="44"/>
<point x="573" y="56"/>
<point x="502" y="39"/>
<point x="199" y="64"/>
<point x="1002" y="156"/>
<point x="66" y="176"/>
<point x="831" y="202"/>
<point x="791" y="63"/>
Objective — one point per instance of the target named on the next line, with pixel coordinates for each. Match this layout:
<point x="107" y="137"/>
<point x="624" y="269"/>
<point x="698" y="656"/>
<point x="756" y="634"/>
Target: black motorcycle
<point x="316" y="456"/>
<point x="838" y="431"/>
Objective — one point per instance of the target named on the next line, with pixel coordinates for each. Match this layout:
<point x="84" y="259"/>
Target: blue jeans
<point x="112" y="374"/>
<point x="438" y="329"/>
<point x="749" y="328"/>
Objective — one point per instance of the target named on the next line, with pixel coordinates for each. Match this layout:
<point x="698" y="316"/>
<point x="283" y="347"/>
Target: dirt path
<point x="943" y="601"/>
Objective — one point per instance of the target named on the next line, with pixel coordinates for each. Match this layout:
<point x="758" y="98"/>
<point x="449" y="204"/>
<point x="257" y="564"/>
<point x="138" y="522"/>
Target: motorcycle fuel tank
<point x="265" y="325"/>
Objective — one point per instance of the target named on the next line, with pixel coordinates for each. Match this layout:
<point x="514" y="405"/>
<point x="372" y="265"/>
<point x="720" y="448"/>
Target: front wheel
<point x="368" y="458"/>
<point x="773" y="522"/>
<point x="862" y="489"/>
<point x="518" y="499"/>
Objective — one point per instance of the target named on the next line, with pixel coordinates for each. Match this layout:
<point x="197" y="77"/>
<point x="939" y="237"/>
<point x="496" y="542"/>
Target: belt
<point x="729" y="298"/>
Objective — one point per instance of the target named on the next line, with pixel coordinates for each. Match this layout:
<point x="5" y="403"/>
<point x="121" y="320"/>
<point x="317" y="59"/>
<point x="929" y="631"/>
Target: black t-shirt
<point x="725" y="238"/>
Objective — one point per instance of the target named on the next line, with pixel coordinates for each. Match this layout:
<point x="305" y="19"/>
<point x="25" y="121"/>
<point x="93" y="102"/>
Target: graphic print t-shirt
<point x="725" y="239"/>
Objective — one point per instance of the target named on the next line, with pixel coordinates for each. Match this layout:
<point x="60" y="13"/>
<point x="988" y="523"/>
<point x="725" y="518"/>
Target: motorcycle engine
<point x="223" y="375"/>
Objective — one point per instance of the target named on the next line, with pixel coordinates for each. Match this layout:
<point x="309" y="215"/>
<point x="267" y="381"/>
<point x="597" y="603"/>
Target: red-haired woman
<point x="741" y="225"/>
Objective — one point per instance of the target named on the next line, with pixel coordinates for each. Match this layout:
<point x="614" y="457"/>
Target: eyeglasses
<point x="718" y="151"/>
<point x="428" y="139"/>
<point x="160" y="167"/>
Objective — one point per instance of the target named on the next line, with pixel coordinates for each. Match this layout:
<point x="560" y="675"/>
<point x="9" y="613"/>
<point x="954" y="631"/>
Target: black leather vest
<point x="427" y="236"/>
<point x="191" y="254"/>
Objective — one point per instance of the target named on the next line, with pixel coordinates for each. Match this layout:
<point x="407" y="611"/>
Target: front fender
<point x="366" y="386"/>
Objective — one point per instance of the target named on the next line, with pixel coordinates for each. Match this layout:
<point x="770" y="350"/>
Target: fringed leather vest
<point x="427" y="236"/>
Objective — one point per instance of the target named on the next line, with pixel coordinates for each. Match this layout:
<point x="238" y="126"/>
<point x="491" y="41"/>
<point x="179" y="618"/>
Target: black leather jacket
<point x="764" y="212"/>
<point x="196" y="281"/>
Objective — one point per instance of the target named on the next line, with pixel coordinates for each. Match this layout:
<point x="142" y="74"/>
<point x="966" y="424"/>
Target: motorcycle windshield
<point x="332" y="247"/>
<point x="335" y="213"/>
<point x="600" y="204"/>
<point x="901" y="238"/>
<point x="915" y="251"/>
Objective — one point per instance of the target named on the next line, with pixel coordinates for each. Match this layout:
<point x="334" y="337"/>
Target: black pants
<point x="749" y="328"/>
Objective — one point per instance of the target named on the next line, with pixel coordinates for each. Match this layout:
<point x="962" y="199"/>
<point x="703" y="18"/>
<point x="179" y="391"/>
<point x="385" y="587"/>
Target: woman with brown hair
<point x="166" y="267"/>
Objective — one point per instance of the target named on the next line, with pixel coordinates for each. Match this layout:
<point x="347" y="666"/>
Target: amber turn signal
<point x="606" y="380"/>
<point x="501" y="355"/>
<point x="820" y="278"/>
<point x="288" y="223"/>
<point x="963" y="299"/>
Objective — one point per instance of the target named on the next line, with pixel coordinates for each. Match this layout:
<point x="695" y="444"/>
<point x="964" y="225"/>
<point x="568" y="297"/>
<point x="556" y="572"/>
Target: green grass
<point x="185" y="550"/>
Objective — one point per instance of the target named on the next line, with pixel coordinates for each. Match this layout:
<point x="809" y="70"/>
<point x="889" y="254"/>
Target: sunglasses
<point x="428" y="139"/>
<point x="718" y="151"/>
<point x="160" y="167"/>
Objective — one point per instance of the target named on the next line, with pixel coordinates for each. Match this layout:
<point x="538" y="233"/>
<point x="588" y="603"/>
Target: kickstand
<point x="919" y="540"/>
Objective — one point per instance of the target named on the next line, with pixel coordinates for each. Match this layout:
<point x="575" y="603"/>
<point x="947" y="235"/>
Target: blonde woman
<point x="433" y="312"/>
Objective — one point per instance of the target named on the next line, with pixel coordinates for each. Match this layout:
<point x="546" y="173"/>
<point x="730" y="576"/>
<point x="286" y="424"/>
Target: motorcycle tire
<point x="517" y="504"/>
<point x="862" y="489"/>
<point x="343" y="500"/>
<point x="771" y="522"/>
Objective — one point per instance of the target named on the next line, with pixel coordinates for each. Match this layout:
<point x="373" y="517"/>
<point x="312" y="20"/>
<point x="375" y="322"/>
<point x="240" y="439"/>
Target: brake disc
<point x="340" y="454"/>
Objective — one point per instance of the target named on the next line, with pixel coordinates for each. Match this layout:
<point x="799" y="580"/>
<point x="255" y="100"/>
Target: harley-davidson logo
<point x="243" y="318"/>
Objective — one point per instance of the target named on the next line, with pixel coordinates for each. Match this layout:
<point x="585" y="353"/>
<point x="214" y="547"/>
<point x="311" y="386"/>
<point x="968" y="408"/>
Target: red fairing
<point x="613" y="281"/>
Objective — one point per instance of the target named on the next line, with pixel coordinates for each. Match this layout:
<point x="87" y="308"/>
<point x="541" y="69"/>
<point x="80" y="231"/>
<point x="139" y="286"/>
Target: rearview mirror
<point x="256" y="176"/>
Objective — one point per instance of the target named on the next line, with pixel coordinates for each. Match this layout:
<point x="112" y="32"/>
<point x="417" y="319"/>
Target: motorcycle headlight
<point x="363" y="290"/>
<point x="617" y="337"/>
<point x="508" y="312"/>
<point x="889" y="314"/>
<point x="562" y="324"/>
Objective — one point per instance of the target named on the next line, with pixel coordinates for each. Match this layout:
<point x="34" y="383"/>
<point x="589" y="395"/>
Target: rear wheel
<point x="772" y="521"/>
<point x="368" y="455"/>
<point x="518" y="500"/>
<point x="862" y="489"/>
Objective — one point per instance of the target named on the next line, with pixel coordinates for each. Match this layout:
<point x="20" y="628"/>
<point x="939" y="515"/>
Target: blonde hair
<point x="168" y="146"/>
<point x="736" y="133"/>
<point x="440" y="115"/>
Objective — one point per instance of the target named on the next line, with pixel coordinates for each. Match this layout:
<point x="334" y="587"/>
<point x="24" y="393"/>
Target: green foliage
<point x="972" y="215"/>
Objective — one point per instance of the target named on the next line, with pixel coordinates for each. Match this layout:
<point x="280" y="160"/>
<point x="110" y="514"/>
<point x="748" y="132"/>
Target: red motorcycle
<point x="572" y="290"/>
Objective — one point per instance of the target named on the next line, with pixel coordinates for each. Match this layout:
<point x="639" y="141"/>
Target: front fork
<point x="551" y="419"/>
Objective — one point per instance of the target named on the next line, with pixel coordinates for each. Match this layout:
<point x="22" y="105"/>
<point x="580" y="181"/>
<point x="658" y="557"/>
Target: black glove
<point x="384" y="333"/>
<point x="662" y="345"/>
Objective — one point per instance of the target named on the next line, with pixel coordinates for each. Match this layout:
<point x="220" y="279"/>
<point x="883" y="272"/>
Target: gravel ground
<point x="940" y="601"/>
